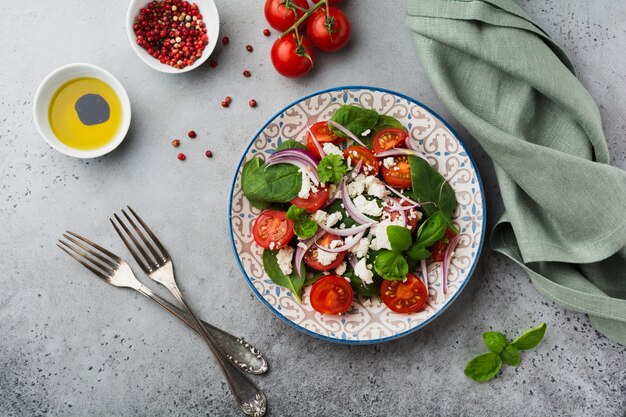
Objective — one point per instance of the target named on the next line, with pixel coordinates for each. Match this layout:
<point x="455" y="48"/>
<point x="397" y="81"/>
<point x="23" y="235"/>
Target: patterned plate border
<point x="448" y="302"/>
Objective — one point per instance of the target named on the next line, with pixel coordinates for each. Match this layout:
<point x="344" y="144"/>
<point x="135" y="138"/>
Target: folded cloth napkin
<point x="517" y="93"/>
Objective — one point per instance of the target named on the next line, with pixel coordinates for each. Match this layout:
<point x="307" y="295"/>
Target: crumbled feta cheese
<point x="302" y="245"/>
<point x="320" y="217"/>
<point x="272" y="245"/>
<point x="342" y="226"/>
<point x="357" y="186"/>
<point x="335" y="243"/>
<point x="361" y="271"/>
<point x="367" y="132"/>
<point x="284" y="257"/>
<point x="389" y="162"/>
<point x="314" y="189"/>
<point x="369" y="207"/>
<point x="381" y="240"/>
<point x="305" y="191"/>
<point x="334" y="191"/>
<point x="341" y="268"/>
<point x="333" y="218"/>
<point x="330" y="148"/>
<point x="361" y="248"/>
<point x="326" y="258"/>
<point x="375" y="187"/>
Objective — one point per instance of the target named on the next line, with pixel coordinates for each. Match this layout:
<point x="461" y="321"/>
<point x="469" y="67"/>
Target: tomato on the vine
<point x="330" y="2"/>
<point x="329" y="29"/>
<point x="292" y="56"/>
<point x="282" y="14"/>
<point x="272" y="229"/>
<point x="406" y="296"/>
<point x="331" y="295"/>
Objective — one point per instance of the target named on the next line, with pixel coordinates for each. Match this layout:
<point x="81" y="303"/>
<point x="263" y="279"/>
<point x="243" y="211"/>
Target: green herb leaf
<point x="495" y="341"/>
<point x="361" y="288"/>
<point x="391" y="265"/>
<point x="510" y="355"/>
<point x="276" y="184"/>
<point x="290" y="144"/>
<point x="433" y="229"/>
<point x="295" y="213"/>
<point x="292" y="282"/>
<point x="417" y="252"/>
<point x="530" y="338"/>
<point x="399" y="238"/>
<point x="313" y="279"/>
<point x="354" y="118"/>
<point x="305" y="228"/>
<point x="430" y="186"/>
<point x="331" y="168"/>
<point x="483" y="367"/>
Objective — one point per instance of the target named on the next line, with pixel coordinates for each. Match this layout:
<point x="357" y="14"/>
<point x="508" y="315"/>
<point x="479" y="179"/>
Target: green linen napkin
<point x="517" y="93"/>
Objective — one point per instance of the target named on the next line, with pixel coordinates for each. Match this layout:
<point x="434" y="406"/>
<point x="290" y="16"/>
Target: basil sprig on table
<point x="486" y="366"/>
<point x="303" y="227"/>
<point x="293" y="282"/>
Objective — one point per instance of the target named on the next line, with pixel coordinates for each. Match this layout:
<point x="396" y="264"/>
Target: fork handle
<point x="236" y="350"/>
<point x="249" y="396"/>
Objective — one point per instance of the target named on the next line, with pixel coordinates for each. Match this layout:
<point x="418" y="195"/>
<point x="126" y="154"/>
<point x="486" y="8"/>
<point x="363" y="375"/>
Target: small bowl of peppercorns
<point x="173" y="36"/>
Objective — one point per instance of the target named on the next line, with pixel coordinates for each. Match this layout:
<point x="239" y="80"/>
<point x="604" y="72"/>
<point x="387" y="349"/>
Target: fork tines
<point x="150" y="242"/>
<point x="92" y="256"/>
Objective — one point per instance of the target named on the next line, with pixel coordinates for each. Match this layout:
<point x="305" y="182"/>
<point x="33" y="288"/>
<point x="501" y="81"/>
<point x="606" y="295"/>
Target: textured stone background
<point x="71" y="345"/>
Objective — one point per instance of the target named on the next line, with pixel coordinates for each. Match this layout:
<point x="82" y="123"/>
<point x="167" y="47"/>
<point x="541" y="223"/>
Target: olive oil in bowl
<point x="85" y="113"/>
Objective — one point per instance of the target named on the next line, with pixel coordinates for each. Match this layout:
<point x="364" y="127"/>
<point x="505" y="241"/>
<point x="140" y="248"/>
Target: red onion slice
<point x="352" y="261"/>
<point x="424" y="272"/>
<point x="398" y="207"/>
<point x="411" y="144"/>
<point x="342" y="248"/>
<point x="355" y="171"/>
<point x="402" y="196"/>
<point x="316" y="142"/>
<point x="310" y="170"/>
<point x="300" y="251"/>
<point x="346" y="132"/>
<point x="301" y="154"/>
<point x="447" y="257"/>
<point x="346" y="232"/>
<point x="351" y="209"/>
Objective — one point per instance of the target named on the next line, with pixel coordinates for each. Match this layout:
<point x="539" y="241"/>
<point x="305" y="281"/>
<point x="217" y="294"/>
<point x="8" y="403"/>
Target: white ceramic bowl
<point x="209" y="16"/>
<point x="53" y="82"/>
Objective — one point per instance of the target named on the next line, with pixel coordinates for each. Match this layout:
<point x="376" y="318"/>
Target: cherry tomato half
<point x="404" y="297"/>
<point x="272" y="229"/>
<point x="315" y="201"/>
<point x="399" y="173"/>
<point x="311" y="256"/>
<point x="292" y="57"/>
<point x="329" y="30"/>
<point x="280" y="17"/>
<point x="412" y="215"/>
<point x="361" y="153"/>
<point x="439" y="248"/>
<point x="389" y="138"/>
<point x="323" y="134"/>
<point x="331" y="294"/>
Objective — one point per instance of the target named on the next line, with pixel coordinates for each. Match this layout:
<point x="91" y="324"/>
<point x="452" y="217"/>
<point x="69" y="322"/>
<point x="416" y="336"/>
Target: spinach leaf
<point x="483" y="367"/>
<point x="391" y="265"/>
<point x="433" y="229"/>
<point x="359" y="287"/>
<point x="530" y="338"/>
<point x="495" y="341"/>
<point x="302" y="226"/>
<point x="354" y="118"/>
<point x="417" y="252"/>
<point x="290" y="144"/>
<point x="332" y="168"/>
<point x="399" y="238"/>
<point x="276" y="184"/>
<point x="292" y="282"/>
<point x="510" y="355"/>
<point x="430" y="185"/>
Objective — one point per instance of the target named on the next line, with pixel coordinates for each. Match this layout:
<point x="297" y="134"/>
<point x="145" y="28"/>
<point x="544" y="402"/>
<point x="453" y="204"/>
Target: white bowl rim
<point x="103" y="75"/>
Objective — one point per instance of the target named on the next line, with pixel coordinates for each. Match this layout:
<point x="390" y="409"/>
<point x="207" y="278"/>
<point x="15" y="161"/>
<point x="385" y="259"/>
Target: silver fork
<point x="115" y="271"/>
<point x="160" y="268"/>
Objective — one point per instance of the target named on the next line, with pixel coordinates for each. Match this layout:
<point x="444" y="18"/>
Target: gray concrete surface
<point x="72" y="346"/>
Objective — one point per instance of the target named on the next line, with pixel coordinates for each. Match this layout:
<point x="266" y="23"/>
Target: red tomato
<point x="323" y="134"/>
<point x="272" y="229"/>
<point x="412" y="215"/>
<point x="331" y="294"/>
<point x="329" y="30"/>
<point x="389" y="138"/>
<point x="315" y="201"/>
<point x="330" y="2"/>
<point x="361" y="153"/>
<point x="292" y="58"/>
<point x="439" y="248"/>
<point x="310" y="257"/>
<point x="280" y="17"/>
<point x="404" y="297"/>
<point x="399" y="174"/>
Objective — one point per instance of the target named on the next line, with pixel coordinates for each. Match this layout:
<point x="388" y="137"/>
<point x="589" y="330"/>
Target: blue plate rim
<point x="275" y="311"/>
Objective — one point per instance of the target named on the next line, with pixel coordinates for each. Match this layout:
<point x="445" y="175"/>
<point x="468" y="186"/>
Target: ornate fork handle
<point x="237" y="350"/>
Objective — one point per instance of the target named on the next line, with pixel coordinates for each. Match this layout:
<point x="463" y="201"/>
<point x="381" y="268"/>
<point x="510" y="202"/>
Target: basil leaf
<point x="292" y="282"/>
<point x="361" y="288"/>
<point x="510" y="355"/>
<point x="295" y="213"/>
<point x="354" y="118"/>
<point x="276" y="184"/>
<point x="495" y="341"/>
<point x="483" y="367"/>
<point x="386" y="122"/>
<point x="290" y="144"/>
<point x="433" y="229"/>
<point x="261" y="205"/>
<point x="305" y="228"/>
<point x="331" y="168"/>
<point x="530" y="338"/>
<point x="391" y="265"/>
<point x="399" y="238"/>
<point x="417" y="252"/>
<point x="430" y="186"/>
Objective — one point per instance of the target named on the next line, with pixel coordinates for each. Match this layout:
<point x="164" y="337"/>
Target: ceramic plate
<point x="369" y="320"/>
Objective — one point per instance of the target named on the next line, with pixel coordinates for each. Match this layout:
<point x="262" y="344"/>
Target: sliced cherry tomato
<point x="404" y="296"/>
<point x="323" y="134"/>
<point x="311" y="256"/>
<point x="292" y="57"/>
<point x="361" y="153"/>
<point x="330" y="2"/>
<point x="315" y="201"/>
<point x="412" y="215"/>
<point x="329" y="29"/>
<point x="389" y="138"/>
<point x="331" y="294"/>
<point x="272" y="229"/>
<point x="439" y="248"/>
<point x="399" y="173"/>
<point x="280" y="17"/>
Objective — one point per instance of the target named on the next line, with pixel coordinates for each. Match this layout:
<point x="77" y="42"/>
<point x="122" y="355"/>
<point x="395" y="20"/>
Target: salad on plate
<point x="355" y="207"/>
